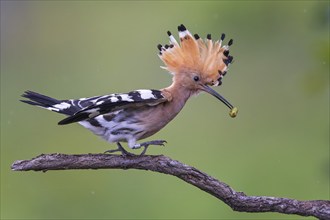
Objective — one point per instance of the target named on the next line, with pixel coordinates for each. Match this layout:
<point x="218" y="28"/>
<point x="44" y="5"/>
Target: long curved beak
<point x="233" y="110"/>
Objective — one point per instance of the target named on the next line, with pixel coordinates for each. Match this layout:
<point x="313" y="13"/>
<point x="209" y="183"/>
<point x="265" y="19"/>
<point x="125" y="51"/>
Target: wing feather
<point x="114" y="102"/>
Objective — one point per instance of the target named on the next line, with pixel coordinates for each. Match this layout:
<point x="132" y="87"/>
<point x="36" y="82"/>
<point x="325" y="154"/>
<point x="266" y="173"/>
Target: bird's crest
<point x="209" y="58"/>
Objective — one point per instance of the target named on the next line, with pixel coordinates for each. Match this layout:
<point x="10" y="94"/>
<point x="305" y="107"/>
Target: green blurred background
<point x="277" y="146"/>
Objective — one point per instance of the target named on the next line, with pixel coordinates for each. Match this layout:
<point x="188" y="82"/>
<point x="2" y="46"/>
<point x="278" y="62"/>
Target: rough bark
<point x="238" y="201"/>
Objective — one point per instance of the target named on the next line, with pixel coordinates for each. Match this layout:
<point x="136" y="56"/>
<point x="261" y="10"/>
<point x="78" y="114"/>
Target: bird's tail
<point x="59" y="106"/>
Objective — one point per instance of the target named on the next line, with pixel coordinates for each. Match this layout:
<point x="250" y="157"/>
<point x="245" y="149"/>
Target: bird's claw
<point x="145" y="145"/>
<point x="122" y="150"/>
<point x="148" y="143"/>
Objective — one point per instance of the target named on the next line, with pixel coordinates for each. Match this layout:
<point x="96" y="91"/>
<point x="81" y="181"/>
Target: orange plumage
<point x="194" y="54"/>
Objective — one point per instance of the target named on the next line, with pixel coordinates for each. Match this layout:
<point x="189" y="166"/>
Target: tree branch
<point x="238" y="201"/>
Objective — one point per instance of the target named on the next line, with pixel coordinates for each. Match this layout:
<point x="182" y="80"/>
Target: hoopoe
<point x="195" y="64"/>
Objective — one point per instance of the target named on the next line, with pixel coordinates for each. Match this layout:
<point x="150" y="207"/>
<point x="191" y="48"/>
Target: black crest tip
<point x="159" y="46"/>
<point x="169" y="33"/>
<point x="208" y="36"/>
<point x="222" y="73"/>
<point x="228" y="60"/>
<point x="166" y="46"/>
<point x="226" y="53"/>
<point x="222" y="36"/>
<point x="230" y="42"/>
<point x="182" y="28"/>
<point x="196" y="36"/>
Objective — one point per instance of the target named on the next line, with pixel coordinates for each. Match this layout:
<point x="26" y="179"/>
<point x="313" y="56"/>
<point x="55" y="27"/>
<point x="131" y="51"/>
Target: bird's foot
<point x="148" y="143"/>
<point x="120" y="149"/>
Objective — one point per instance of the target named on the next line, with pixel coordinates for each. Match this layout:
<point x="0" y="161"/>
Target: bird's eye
<point x="196" y="78"/>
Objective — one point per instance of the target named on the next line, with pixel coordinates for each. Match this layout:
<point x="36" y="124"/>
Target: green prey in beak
<point x="233" y="110"/>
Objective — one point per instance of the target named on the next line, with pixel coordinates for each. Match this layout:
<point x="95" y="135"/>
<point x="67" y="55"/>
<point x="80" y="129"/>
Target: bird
<point x="195" y="64"/>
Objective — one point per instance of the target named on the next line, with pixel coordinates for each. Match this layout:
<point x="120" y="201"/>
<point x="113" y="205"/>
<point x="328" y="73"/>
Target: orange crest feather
<point x="208" y="58"/>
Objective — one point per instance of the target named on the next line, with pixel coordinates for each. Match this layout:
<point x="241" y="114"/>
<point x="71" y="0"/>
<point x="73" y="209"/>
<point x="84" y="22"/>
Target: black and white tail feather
<point x="46" y="102"/>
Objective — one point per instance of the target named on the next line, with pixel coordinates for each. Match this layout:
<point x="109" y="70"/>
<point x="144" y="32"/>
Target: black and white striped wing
<point x="114" y="102"/>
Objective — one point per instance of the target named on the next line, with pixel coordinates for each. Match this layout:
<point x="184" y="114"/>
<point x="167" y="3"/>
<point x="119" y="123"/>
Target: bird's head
<point x="197" y="64"/>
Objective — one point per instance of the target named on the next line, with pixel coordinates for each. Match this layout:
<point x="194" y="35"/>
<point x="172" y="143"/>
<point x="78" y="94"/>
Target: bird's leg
<point x="121" y="149"/>
<point x="147" y="144"/>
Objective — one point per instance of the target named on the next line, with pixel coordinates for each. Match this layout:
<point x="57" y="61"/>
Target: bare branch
<point x="238" y="201"/>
